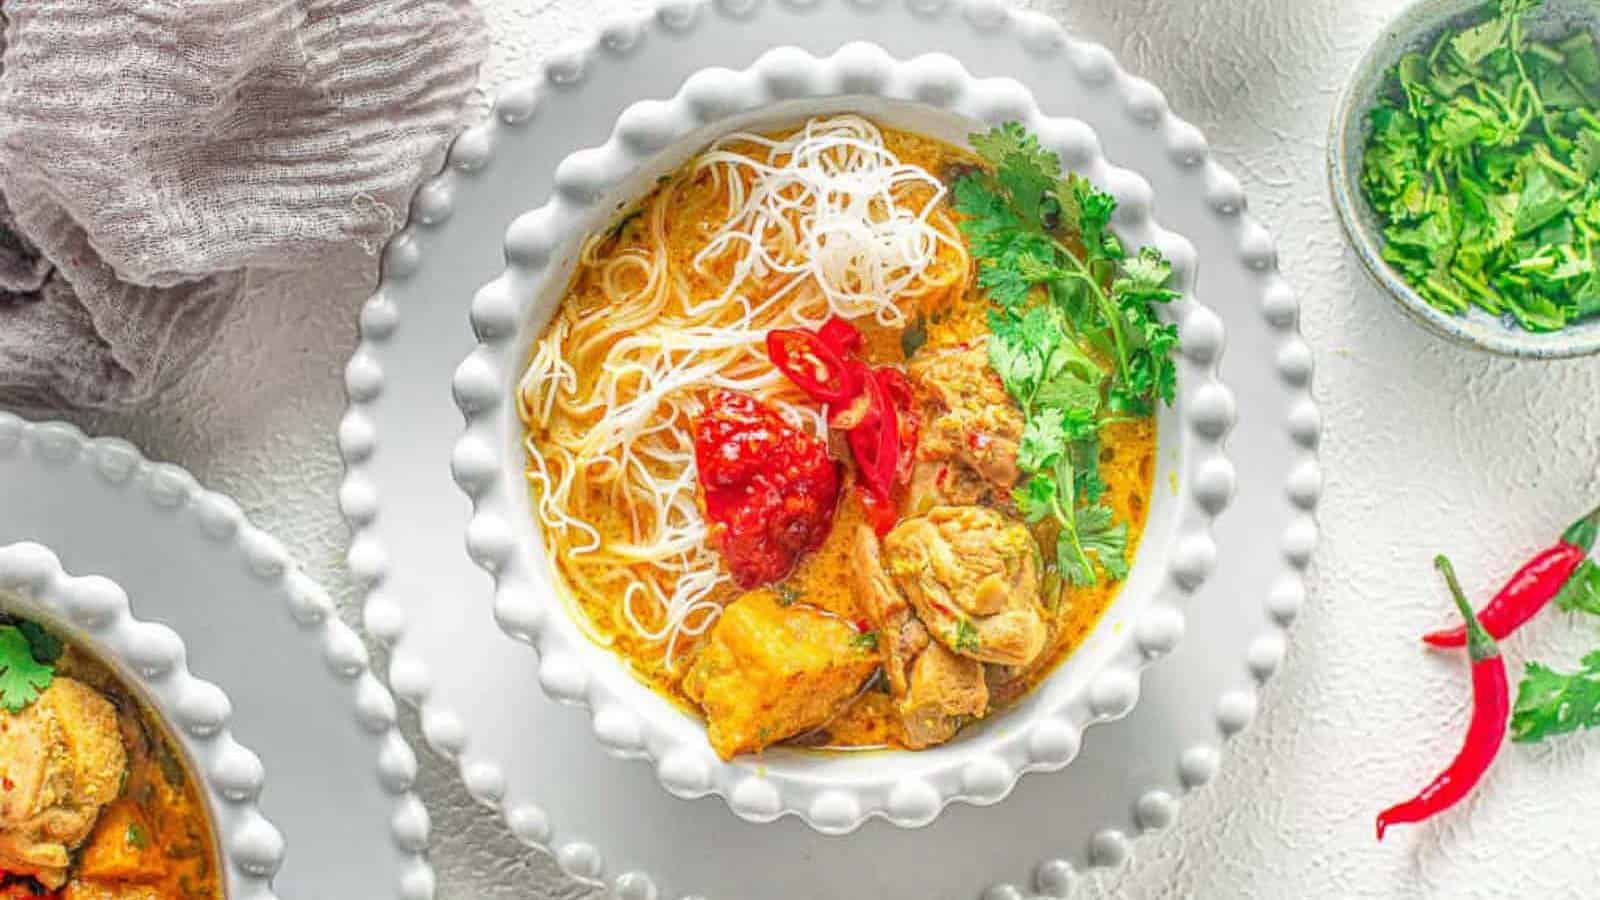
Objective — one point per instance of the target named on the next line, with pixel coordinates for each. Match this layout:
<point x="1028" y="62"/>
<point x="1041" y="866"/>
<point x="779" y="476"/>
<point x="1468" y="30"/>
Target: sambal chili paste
<point x="770" y="489"/>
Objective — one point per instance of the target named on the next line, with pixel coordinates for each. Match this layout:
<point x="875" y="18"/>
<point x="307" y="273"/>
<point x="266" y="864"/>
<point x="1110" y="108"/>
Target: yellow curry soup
<point x="644" y="281"/>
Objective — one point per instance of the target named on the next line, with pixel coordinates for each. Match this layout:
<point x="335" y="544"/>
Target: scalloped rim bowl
<point x="94" y="612"/>
<point x="156" y="658"/>
<point x="834" y="794"/>
<point x="1418" y="24"/>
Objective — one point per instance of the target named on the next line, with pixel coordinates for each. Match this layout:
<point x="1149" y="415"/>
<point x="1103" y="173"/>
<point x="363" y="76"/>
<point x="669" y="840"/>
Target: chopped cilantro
<point x="1075" y="337"/>
<point x="864" y="640"/>
<point x="787" y="593"/>
<point x="135" y="837"/>
<point x="22" y="677"/>
<point x="1481" y="165"/>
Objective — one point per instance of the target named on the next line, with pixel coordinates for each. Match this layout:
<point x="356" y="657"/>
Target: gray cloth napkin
<point x="153" y="153"/>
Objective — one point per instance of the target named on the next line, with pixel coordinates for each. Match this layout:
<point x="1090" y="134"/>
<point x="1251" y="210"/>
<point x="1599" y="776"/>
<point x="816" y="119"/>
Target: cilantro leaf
<point x="1473" y="44"/>
<point x="1044" y="440"/>
<point x="1550" y="703"/>
<point x="1036" y="498"/>
<point x="1106" y="539"/>
<point x="1540" y="201"/>
<point x="22" y="678"/>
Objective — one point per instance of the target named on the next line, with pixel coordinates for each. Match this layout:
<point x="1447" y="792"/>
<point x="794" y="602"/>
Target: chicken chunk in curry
<point x="971" y="430"/>
<point x="61" y="762"/>
<point x="768" y="672"/>
<point x="935" y="691"/>
<point x="972" y="575"/>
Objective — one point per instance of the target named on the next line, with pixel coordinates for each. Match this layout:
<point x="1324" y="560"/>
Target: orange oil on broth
<point x="822" y="579"/>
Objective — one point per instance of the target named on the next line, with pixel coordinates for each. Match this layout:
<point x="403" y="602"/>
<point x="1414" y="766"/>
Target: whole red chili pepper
<point x="1491" y="708"/>
<point x="1531" y="587"/>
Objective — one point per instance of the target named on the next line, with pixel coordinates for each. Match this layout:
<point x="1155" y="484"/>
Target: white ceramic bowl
<point x="834" y="794"/>
<point x="94" y="612"/>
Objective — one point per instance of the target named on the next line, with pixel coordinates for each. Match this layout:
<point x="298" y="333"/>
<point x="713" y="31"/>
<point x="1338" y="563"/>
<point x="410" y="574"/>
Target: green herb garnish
<point x="1074" y="336"/>
<point x="22" y="677"/>
<point x="1551" y="703"/>
<point x="134" y="836"/>
<point x="1482" y="166"/>
<point x="864" y="640"/>
<point x="966" y="637"/>
<point x="46" y="647"/>
<point x="1581" y="591"/>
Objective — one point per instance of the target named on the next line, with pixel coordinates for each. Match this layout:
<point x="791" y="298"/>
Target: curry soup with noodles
<point x="851" y="624"/>
<point x="96" y="800"/>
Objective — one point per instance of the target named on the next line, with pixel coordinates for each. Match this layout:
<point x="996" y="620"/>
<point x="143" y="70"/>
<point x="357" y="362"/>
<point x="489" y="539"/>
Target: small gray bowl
<point x="1416" y="28"/>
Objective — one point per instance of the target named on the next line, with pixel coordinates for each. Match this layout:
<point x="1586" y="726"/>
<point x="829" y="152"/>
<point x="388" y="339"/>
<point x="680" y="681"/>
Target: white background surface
<point x="1426" y="448"/>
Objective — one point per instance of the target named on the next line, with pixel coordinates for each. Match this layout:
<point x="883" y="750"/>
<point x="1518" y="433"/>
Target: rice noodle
<point x="826" y="221"/>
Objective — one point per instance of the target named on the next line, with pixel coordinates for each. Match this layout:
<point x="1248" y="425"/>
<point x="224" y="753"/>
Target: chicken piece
<point x="944" y="691"/>
<point x="61" y="761"/>
<point x="972" y="574"/>
<point x="971" y="429"/>
<point x="901" y="635"/>
<point x="1007" y="683"/>
<point x="935" y="690"/>
<point x="767" y="672"/>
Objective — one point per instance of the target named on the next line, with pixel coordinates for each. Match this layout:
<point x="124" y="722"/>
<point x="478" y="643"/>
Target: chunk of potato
<point x="123" y="847"/>
<point x="768" y="671"/>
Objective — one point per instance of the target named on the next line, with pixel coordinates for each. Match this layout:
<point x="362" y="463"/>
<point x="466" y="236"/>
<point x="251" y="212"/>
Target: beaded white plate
<point x="833" y="793"/>
<point x="171" y="584"/>
<point x="534" y="760"/>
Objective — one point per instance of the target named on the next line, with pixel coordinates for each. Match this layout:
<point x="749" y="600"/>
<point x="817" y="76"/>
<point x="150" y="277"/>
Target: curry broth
<point x="158" y="833"/>
<point x="821" y="579"/>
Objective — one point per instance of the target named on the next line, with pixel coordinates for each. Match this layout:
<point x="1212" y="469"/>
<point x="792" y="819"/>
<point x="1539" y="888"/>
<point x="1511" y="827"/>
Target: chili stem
<point x="1581" y="534"/>
<point x="1479" y="644"/>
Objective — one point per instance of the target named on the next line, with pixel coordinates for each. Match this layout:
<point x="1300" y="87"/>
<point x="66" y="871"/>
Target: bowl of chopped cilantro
<point x="1464" y="161"/>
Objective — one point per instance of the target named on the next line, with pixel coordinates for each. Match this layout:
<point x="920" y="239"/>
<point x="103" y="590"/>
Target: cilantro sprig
<point x="1549" y="702"/>
<point x="1482" y="166"/>
<point x="1074" y="333"/>
<point x="24" y="673"/>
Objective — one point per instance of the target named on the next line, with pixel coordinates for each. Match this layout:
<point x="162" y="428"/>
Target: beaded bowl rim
<point x="255" y="846"/>
<point x="1044" y="736"/>
<point x="94" y="612"/>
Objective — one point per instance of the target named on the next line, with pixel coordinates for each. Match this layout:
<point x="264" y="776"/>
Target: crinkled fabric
<point x="154" y="152"/>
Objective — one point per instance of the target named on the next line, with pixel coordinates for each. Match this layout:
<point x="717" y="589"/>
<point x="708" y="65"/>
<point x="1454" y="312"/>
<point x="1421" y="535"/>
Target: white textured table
<point x="1426" y="448"/>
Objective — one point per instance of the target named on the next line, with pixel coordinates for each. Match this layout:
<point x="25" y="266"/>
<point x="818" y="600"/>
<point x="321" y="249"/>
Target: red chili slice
<point x="813" y="365"/>
<point x="899" y="390"/>
<point x="876" y="441"/>
<point x="839" y="334"/>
